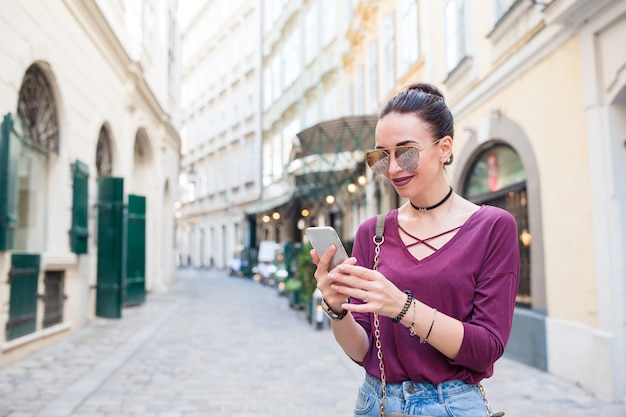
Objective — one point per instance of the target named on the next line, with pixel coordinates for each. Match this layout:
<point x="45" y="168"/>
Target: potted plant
<point x="298" y="285"/>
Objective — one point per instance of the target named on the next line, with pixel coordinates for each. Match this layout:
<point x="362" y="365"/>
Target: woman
<point x="444" y="291"/>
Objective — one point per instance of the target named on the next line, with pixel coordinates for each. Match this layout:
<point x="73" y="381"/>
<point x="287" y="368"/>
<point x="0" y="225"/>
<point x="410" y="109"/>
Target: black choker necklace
<point x="433" y="206"/>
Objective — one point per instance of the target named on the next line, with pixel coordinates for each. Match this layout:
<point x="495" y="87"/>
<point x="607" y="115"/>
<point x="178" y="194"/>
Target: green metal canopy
<point x="346" y="134"/>
<point x="326" y="157"/>
<point x="330" y="155"/>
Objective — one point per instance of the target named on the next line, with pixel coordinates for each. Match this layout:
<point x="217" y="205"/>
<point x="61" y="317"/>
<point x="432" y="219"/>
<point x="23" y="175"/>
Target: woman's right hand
<point x="332" y="298"/>
<point x="349" y="334"/>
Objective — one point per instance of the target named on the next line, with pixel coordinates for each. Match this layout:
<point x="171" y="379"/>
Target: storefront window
<point x="497" y="178"/>
<point x="496" y="169"/>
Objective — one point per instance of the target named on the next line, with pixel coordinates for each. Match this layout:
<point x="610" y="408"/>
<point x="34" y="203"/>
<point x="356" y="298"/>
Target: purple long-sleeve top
<point x="473" y="278"/>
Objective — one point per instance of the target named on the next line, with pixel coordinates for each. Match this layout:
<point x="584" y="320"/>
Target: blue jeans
<point x="448" y="399"/>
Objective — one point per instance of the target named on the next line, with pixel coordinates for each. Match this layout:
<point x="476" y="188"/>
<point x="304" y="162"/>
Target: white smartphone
<point x="321" y="238"/>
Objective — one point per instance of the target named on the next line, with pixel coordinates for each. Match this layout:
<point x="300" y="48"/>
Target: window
<point x="350" y="100"/>
<point x="291" y="58"/>
<point x="271" y="13"/>
<point x="359" y="97"/>
<point x="496" y="169"/>
<point x="277" y="163"/>
<point x="373" y="77"/>
<point x="233" y="158"/>
<point x="277" y="76"/>
<point x="455" y="33"/>
<point x="37" y="114"/>
<point x="498" y="178"/>
<point x="289" y="134"/>
<point x="268" y="156"/>
<point x="311" y="115"/>
<point x="36" y="110"/>
<point x="329" y="31"/>
<point x="500" y="8"/>
<point x="330" y="105"/>
<point x="267" y="88"/>
<point x="213" y="175"/>
<point x="148" y="22"/>
<point x="408" y="29"/>
<point x="171" y="55"/>
<point x="53" y="298"/>
<point x="104" y="156"/>
<point x="311" y="43"/>
<point x="389" y="45"/>
<point x="250" y="159"/>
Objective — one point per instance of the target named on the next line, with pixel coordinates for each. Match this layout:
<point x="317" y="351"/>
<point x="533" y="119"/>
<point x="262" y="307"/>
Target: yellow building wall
<point x="547" y="102"/>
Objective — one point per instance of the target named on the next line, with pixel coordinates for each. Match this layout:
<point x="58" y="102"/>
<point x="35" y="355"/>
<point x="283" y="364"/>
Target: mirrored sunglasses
<point x="407" y="157"/>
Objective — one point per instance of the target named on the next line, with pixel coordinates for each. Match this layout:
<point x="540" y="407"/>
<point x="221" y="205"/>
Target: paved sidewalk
<point x="217" y="346"/>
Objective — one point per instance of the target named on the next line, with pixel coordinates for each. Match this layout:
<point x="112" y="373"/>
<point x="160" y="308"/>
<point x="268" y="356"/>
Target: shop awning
<point x="330" y="155"/>
<point x="326" y="157"/>
<point x="346" y="134"/>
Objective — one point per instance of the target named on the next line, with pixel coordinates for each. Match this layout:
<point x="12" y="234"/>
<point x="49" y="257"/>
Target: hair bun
<point x="425" y="88"/>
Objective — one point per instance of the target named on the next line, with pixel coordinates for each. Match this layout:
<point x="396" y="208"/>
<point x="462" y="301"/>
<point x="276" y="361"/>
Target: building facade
<point x="89" y="163"/>
<point x="221" y="131"/>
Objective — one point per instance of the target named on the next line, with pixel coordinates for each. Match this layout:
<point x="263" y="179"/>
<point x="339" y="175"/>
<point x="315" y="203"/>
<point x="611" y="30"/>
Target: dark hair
<point x="426" y="102"/>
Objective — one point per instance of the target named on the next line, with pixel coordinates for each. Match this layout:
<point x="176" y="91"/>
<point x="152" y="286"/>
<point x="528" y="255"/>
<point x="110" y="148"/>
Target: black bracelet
<point x="409" y="300"/>
<point x="331" y="314"/>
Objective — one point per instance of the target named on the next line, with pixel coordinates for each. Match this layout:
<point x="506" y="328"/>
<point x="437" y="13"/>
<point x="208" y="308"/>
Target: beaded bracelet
<point x="412" y="328"/>
<point x="432" y="323"/>
<point x="409" y="300"/>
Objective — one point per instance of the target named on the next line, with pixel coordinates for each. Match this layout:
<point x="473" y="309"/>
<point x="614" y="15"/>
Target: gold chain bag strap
<point x="379" y="238"/>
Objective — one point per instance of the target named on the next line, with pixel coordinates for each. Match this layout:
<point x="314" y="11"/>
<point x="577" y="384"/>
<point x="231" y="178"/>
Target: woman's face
<point x="411" y="171"/>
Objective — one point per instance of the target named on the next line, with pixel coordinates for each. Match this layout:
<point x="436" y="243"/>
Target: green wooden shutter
<point x="110" y="247"/>
<point x="80" y="208"/>
<point x="136" y="250"/>
<point x="8" y="184"/>
<point x="23" y="279"/>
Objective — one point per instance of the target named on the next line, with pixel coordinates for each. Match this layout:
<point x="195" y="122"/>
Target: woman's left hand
<point x="378" y="294"/>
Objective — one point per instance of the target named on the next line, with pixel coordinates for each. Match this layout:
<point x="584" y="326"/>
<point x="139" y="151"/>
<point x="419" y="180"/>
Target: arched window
<point x="36" y="109"/>
<point x="39" y="138"/>
<point x="104" y="158"/>
<point x="141" y="163"/>
<point x="498" y="178"/>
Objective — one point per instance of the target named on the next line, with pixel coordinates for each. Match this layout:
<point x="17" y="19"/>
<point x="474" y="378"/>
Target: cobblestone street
<point x="221" y="346"/>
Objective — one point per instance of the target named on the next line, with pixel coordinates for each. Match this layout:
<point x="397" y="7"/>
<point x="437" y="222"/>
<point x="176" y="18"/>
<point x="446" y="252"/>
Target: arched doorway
<point x="498" y="167"/>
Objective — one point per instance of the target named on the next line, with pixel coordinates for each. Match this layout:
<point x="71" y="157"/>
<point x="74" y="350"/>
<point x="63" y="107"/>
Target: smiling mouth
<point x="402" y="181"/>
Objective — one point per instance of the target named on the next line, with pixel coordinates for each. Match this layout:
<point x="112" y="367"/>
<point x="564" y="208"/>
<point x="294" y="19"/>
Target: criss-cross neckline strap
<point x="425" y="241"/>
